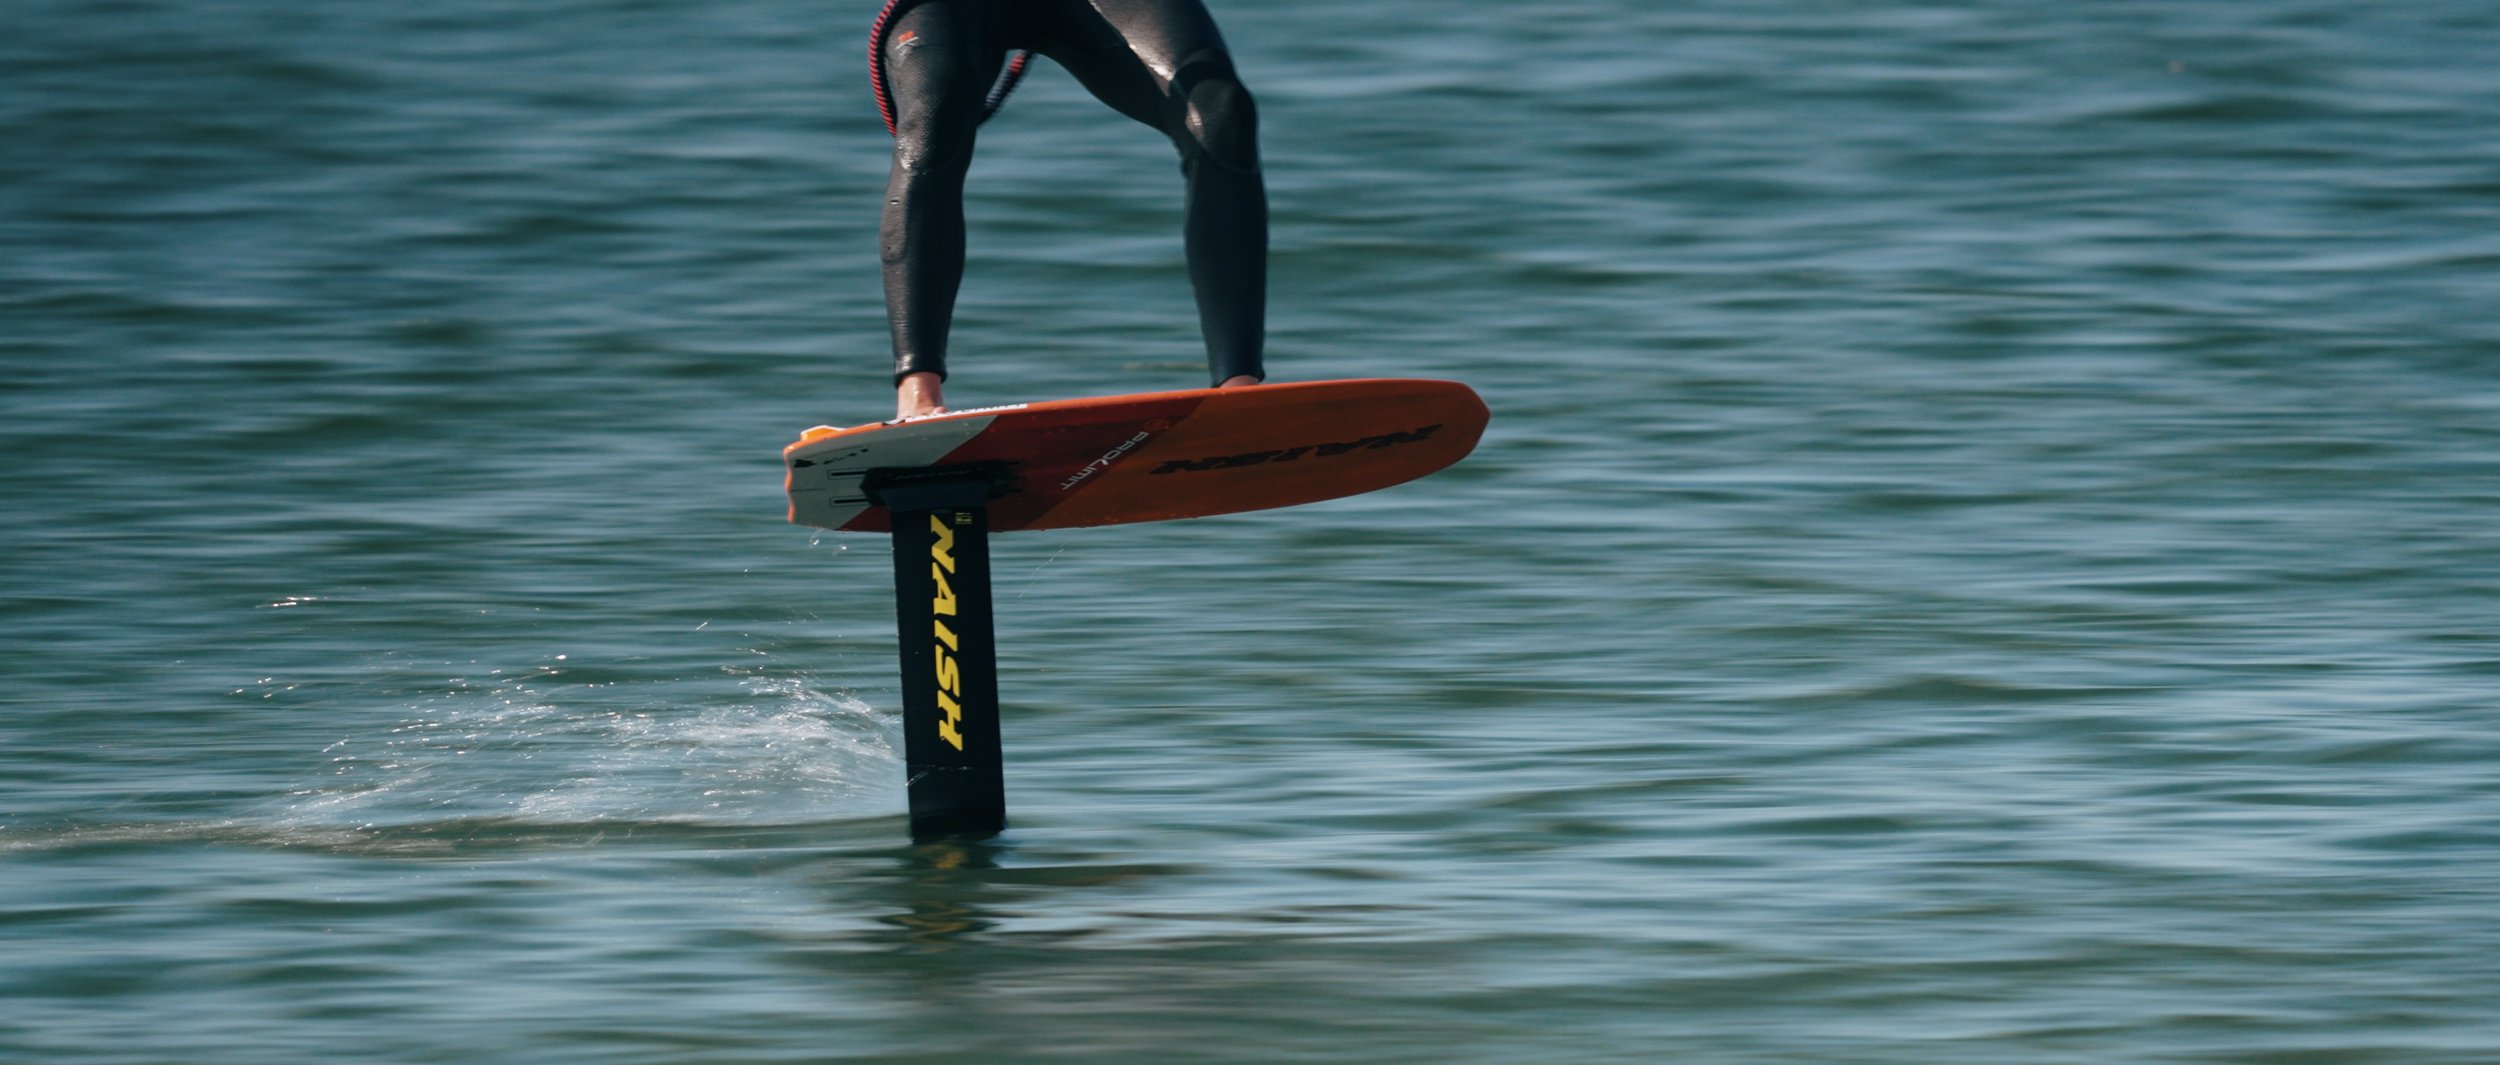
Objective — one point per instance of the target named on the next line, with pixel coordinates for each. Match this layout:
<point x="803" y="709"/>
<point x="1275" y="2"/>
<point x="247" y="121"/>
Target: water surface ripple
<point x="1985" y="552"/>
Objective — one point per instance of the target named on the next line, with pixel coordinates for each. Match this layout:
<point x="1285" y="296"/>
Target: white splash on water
<point x="542" y="749"/>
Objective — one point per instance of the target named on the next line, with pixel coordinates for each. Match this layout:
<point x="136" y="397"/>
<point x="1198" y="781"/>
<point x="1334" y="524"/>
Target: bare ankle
<point x="917" y="394"/>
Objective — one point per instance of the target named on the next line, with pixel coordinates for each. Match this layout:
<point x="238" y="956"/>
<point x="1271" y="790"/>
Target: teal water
<point x="1985" y="553"/>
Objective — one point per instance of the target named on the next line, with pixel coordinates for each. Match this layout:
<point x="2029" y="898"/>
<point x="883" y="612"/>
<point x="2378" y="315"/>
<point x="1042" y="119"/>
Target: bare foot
<point x="1238" y="380"/>
<point x="918" y="394"/>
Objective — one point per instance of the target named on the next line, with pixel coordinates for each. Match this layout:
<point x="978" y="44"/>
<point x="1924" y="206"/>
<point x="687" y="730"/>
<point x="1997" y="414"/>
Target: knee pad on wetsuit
<point x="1215" y="113"/>
<point x="928" y="139"/>
<point x="926" y="154"/>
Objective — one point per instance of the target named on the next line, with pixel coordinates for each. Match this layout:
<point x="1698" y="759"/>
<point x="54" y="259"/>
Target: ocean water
<point x="1985" y="552"/>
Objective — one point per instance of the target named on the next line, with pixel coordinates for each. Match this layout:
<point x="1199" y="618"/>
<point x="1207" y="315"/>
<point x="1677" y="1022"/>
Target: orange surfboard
<point x="1151" y="456"/>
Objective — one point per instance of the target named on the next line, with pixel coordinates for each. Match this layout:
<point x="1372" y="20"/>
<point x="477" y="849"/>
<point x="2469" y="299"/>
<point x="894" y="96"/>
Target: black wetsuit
<point x="941" y="66"/>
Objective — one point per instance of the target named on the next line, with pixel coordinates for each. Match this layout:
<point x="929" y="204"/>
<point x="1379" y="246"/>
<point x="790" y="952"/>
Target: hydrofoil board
<point x="1149" y="456"/>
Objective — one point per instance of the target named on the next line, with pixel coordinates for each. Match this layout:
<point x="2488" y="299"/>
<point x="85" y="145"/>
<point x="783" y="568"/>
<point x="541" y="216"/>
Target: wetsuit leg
<point x="940" y="58"/>
<point x="1162" y="63"/>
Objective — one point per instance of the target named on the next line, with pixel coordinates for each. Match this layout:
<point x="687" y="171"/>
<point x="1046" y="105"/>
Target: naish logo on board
<point x="950" y="677"/>
<point x="1104" y="463"/>
<point x="1289" y="454"/>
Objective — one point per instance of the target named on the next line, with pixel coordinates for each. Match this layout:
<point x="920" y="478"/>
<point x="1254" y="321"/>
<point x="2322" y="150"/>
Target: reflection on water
<point x="947" y="893"/>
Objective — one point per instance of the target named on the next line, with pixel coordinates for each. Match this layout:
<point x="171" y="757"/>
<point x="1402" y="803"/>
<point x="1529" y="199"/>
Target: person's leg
<point x="938" y="62"/>
<point x="1162" y="63"/>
